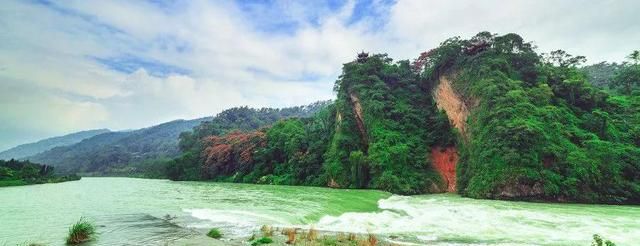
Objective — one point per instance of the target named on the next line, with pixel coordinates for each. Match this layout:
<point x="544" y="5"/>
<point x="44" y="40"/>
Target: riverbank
<point x="18" y="172"/>
<point x="48" y="180"/>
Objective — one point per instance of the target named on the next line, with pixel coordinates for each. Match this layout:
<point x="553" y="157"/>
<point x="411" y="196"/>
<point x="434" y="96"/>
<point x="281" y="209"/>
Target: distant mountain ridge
<point x="97" y="153"/>
<point x="142" y="152"/>
<point x="30" y="149"/>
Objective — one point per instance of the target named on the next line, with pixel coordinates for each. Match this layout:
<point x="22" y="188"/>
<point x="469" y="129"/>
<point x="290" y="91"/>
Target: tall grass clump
<point x="267" y="231"/>
<point x="80" y="232"/>
<point x="214" y="233"/>
<point x="373" y="241"/>
<point x="291" y="235"/>
<point x="312" y="235"/>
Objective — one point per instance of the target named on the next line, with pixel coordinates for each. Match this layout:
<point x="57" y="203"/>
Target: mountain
<point x="26" y="150"/>
<point x="486" y="117"/>
<point x="103" y="152"/>
<point x="141" y="152"/>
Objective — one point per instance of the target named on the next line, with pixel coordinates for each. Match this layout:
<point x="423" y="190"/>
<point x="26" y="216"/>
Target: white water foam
<point x="453" y="220"/>
<point x="237" y="223"/>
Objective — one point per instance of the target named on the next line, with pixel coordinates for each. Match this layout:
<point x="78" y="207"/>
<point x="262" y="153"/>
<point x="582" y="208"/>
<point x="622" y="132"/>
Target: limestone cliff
<point x="453" y="104"/>
<point x="357" y="112"/>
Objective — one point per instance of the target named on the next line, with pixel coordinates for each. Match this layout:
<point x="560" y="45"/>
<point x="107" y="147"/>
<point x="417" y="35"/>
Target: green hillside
<point x="524" y="125"/>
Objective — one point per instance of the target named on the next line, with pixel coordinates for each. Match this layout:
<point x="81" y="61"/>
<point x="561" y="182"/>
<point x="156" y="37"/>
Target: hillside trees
<point x="628" y="77"/>
<point x="189" y="165"/>
<point x="540" y="130"/>
<point x="17" y="172"/>
<point x="536" y="129"/>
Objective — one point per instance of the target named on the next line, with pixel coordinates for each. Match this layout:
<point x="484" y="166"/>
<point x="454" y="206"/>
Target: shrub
<point x="82" y="231"/>
<point x="214" y="233"/>
<point x="262" y="240"/>
<point x="599" y="241"/>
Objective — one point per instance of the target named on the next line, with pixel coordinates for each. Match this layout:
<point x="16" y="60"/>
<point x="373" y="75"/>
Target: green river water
<point x="130" y="211"/>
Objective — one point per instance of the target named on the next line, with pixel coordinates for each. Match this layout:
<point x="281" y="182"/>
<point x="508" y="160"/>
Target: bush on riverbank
<point x="82" y="231"/>
<point x="214" y="233"/>
<point x="262" y="240"/>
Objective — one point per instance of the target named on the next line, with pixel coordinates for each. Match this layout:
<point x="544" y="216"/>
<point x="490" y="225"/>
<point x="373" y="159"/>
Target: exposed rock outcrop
<point x="516" y="190"/>
<point x="444" y="160"/>
<point x="453" y="104"/>
<point x="333" y="184"/>
<point x="357" y="112"/>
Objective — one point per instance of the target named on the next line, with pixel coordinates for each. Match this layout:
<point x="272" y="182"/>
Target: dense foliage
<point x="377" y="134"/>
<point x="536" y="129"/>
<point x="539" y="129"/>
<point x="189" y="165"/>
<point x="15" y="172"/>
<point x="386" y="124"/>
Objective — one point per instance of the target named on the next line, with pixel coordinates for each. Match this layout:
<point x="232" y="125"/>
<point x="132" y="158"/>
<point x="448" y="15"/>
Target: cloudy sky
<point x="74" y="65"/>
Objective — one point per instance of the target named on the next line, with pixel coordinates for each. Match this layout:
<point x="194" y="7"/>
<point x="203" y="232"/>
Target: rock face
<point x="333" y="184"/>
<point x="453" y="104"/>
<point x="444" y="160"/>
<point x="514" y="190"/>
<point x="357" y="111"/>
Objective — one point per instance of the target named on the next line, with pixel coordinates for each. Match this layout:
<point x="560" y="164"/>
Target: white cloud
<point x="234" y="60"/>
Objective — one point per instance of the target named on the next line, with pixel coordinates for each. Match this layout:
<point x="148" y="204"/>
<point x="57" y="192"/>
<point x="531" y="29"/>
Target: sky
<point x="74" y="65"/>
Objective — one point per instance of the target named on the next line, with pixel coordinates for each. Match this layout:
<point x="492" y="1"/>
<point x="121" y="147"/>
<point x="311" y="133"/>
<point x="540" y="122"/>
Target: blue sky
<point x="73" y="65"/>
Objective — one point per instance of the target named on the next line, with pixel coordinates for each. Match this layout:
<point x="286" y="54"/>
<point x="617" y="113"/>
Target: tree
<point x="627" y="78"/>
<point x="563" y="59"/>
<point x="634" y="56"/>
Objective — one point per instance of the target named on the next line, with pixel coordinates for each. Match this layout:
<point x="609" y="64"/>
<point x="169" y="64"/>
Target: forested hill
<point x="487" y="117"/>
<point x="105" y="152"/>
<point x="243" y="119"/>
<point x="536" y="128"/>
<point x="26" y="150"/>
<point x="142" y="152"/>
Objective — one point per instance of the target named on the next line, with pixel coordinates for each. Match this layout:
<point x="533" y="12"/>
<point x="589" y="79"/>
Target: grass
<point x="373" y="240"/>
<point x="262" y="240"/>
<point x="267" y="231"/>
<point x="214" y="233"/>
<point x="291" y="235"/>
<point x="80" y="232"/>
<point x="313" y="237"/>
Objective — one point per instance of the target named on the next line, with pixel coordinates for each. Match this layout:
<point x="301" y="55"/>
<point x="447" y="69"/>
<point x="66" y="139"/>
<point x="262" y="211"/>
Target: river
<point x="131" y="211"/>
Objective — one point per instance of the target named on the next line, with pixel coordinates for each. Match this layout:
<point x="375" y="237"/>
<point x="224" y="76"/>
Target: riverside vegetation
<point x="81" y="232"/>
<point x="529" y="126"/>
<point x="15" y="172"/>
